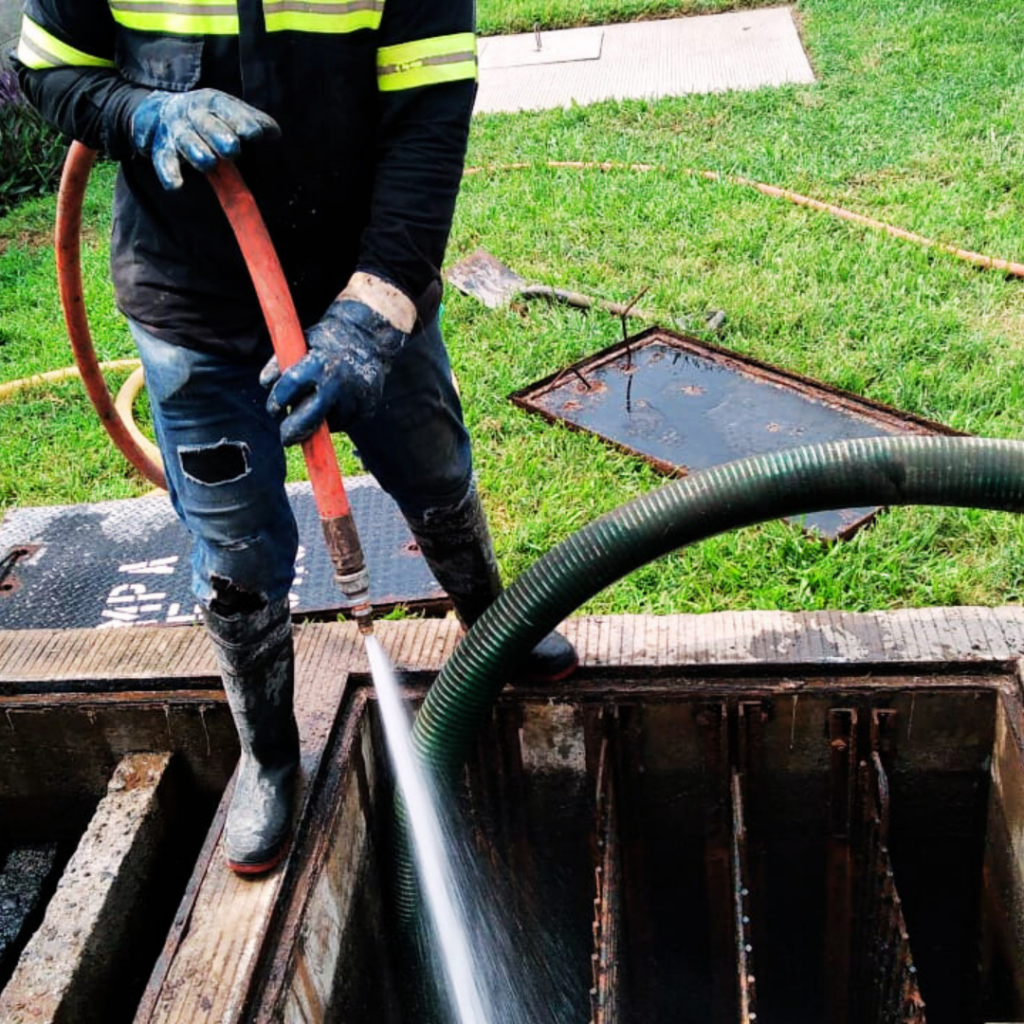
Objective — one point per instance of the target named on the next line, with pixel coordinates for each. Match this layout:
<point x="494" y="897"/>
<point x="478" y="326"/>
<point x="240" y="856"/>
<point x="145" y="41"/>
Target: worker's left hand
<point x="342" y="375"/>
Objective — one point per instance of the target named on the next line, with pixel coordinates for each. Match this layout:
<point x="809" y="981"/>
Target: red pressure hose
<point x="285" y="332"/>
<point x="69" y="279"/>
<point x="290" y="346"/>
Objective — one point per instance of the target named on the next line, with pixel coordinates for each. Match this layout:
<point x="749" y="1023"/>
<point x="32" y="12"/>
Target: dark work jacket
<point x="362" y="178"/>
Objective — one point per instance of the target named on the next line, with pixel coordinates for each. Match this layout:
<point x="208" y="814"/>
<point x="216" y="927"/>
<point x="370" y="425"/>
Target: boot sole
<point x="262" y="868"/>
<point x="555" y="677"/>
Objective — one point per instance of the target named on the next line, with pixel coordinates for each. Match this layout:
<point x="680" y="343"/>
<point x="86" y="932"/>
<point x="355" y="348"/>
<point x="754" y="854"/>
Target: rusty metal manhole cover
<point x="685" y="405"/>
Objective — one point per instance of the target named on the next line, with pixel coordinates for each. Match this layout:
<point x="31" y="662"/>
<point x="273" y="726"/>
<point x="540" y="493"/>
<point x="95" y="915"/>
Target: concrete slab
<point x="540" y="48"/>
<point x="642" y="60"/>
<point x="73" y="958"/>
<point x="10" y="26"/>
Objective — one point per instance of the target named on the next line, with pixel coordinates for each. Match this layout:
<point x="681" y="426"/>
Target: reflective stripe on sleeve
<point x="183" y="18"/>
<point x="336" y="16"/>
<point x="39" y="49"/>
<point x="426" y="62"/>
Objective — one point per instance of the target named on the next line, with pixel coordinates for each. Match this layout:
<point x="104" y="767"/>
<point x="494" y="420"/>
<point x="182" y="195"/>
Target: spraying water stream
<point x="433" y="865"/>
<point x="494" y="960"/>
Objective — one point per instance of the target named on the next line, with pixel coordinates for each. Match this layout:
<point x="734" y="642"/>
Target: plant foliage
<point x="31" y="152"/>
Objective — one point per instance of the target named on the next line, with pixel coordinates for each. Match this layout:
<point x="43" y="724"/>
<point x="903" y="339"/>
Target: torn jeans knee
<point x="223" y="462"/>
<point x="225" y="470"/>
<point x="246" y="573"/>
<point x="228" y="599"/>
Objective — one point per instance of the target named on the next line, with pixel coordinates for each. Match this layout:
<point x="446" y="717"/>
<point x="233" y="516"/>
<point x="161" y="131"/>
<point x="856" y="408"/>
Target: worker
<point x="348" y="120"/>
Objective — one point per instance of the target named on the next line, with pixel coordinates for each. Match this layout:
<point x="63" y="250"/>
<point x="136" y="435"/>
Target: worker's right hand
<point x="202" y="126"/>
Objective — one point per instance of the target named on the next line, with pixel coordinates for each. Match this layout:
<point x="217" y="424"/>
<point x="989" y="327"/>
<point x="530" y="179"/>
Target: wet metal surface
<point x="842" y="741"/>
<point x="888" y="978"/>
<point x="685" y="405"/>
<point x="115" y="564"/>
<point x="9" y="561"/>
<point x="745" y="979"/>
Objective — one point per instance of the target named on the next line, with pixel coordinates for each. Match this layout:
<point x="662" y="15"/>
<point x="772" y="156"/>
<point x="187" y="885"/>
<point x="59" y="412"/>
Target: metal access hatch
<point x="683" y="405"/>
<point x="114" y="564"/>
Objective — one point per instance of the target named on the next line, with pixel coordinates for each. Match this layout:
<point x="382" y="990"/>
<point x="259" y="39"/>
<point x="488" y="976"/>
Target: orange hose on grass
<point x="978" y="259"/>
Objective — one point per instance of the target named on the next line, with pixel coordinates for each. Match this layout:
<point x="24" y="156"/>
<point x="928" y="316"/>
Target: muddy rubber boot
<point x="256" y="660"/>
<point x="456" y="544"/>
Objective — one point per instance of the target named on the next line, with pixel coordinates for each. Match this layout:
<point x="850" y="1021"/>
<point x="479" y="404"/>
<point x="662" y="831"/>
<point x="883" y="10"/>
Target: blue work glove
<point x="342" y="375"/>
<point x="202" y="126"/>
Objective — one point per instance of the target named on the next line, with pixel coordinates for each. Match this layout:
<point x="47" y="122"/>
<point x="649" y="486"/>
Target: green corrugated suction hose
<point x="873" y="471"/>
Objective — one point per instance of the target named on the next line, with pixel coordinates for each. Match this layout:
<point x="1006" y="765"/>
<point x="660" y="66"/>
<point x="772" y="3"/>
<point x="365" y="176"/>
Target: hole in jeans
<point x="231" y="600"/>
<point x="212" y="464"/>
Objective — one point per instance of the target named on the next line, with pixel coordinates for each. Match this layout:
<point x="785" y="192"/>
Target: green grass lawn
<point x="916" y="119"/>
<point x="522" y="15"/>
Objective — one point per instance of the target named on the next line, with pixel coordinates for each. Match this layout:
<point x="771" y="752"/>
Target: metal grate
<point x="117" y="564"/>
<point x="888" y="990"/>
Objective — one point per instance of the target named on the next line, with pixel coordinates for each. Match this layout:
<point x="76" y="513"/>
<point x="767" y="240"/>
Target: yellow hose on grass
<point x="13" y="387"/>
<point x="124" y="402"/>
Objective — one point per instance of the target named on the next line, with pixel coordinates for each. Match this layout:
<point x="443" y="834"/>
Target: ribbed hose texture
<point x="968" y="472"/>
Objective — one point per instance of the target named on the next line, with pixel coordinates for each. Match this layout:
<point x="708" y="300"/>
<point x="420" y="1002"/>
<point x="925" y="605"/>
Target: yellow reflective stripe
<point x="336" y="16"/>
<point x="186" y="18"/>
<point x="38" y="49"/>
<point x="426" y="62"/>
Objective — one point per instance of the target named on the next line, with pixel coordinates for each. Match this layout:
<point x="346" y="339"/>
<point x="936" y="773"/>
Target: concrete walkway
<point x="641" y="60"/>
<point x="10" y="25"/>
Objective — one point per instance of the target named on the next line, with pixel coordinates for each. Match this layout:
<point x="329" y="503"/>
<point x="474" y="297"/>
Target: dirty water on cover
<point x="680" y="410"/>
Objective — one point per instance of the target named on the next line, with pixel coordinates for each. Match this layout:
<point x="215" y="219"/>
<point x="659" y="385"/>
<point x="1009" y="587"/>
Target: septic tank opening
<point x="718" y="849"/>
<point x="104" y="805"/>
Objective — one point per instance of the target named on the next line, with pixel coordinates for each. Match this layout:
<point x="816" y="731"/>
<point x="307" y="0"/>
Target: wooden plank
<point x="183" y="917"/>
<point x="299" y="941"/>
<point x="50" y="657"/>
<point x="906" y="636"/>
<point x="936" y="636"/>
<point x="70" y="964"/>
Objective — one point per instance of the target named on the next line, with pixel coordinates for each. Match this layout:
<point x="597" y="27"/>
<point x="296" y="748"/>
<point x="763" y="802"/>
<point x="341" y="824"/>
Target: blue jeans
<point x="225" y="466"/>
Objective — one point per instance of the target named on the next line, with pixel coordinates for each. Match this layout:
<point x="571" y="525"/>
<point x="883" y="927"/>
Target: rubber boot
<point x="256" y="660"/>
<point x="456" y="544"/>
